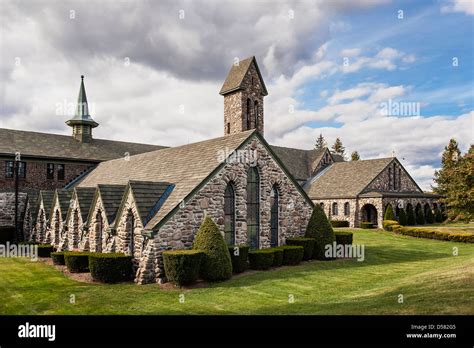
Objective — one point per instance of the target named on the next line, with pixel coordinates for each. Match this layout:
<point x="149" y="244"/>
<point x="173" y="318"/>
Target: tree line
<point x="336" y="148"/>
<point x="455" y="182"/>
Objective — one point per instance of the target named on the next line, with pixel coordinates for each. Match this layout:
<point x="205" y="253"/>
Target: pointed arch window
<point x="229" y="214"/>
<point x="247" y="116"/>
<point x="253" y="207"/>
<point x="334" y="209"/>
<point x="274" y="216"/>
<point x="98" y="231"/>
<point x="347" y="209"/>
<point x="131" y="231"/>
<point x="255" y="112"/>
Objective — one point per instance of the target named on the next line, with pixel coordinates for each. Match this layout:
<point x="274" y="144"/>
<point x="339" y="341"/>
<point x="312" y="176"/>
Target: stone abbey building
<point x="155" y="198"/>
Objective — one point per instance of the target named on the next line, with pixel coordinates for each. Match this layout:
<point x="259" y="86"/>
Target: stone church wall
<point x="179" y="231"/>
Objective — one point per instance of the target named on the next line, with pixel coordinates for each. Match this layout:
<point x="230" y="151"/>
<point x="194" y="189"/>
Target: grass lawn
<point x="425" y="272"/>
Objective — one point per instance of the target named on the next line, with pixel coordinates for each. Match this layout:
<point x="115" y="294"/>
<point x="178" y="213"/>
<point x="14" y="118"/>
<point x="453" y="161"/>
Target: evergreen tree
<point x="443" y="177"/>
<point x="389" y="215"/>
<point x="217" y="264"/>
<point x="402" y="217"/>
<point x="455" y="182"/>
<point x="320" y="229"/>
<point x="430" y="218"/>
<point x="320" y="142"/>
<point x="338" y="148"/>
<point x="420" y="217"/>
<point x="438" y="215"/>
<point x="460" y="198"/>
<point x="355" y="156"/>
<point x="410" y="216"/>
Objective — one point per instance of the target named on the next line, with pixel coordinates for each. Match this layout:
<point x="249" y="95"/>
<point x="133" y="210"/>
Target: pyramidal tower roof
<point x="81" y="115"/>
<point x="235" y="77"/>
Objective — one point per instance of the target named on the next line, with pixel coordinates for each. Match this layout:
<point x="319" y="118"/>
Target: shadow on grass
<point x="374" y="256"/>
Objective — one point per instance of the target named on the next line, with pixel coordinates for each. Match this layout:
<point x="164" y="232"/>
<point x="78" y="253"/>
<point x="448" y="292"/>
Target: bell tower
<point x="243" y="92"/>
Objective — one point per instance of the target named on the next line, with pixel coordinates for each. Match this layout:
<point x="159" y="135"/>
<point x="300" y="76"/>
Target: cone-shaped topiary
<point x="389" y="215"/>
<point x="410" y="216"/>
<point x="216" y="264"/>
<point x="429" y="217"/>
<point x="402" y="217"/>
<point x="438" y="215"/>
<point x="420" y="217"/>
<point x="320" y="229"/>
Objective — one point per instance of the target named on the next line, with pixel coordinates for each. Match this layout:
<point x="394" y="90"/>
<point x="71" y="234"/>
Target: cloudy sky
<point x="382" y="75"/>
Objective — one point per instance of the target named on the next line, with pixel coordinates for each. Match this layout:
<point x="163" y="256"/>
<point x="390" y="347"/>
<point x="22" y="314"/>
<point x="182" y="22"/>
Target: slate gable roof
<point x="147" y="195"/>
<point x="46" y="197"/>
<point x="33" y="201"/>
<point x="111" y="196"/>
<point x="184" y="166"/>
<point x="345" y="179"/>
<point x="64" y="199"/>
<point x="236" y="75"/>
<point x="84" y="196"/>
<point x="35" y="144"/>
<point x="297" y="161"/>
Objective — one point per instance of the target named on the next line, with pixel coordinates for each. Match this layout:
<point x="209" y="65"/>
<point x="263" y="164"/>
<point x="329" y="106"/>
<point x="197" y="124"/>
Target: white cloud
<point x="463" y="6"/>
<point x="350" y="52"/>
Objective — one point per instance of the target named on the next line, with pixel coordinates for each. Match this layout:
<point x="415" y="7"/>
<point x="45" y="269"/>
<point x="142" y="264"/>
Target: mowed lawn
<point x="425" y="272"/>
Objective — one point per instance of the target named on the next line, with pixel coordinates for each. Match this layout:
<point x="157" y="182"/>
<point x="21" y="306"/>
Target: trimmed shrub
<point x="261" y="259"/>
<point x="239" y="261"/>
<point x="58" y="258"/>
<point x="429" y="217"/>
<point x="321" y="230"/>
<point x="7" y="234"/>
<point x="402" y="217"/>
<point x="182" y="266"/>
<point x="216" y="264"/>
<point x="388" y="223"/>
<point x="306" y="243"/>
<point x="420" y="217"/>
<point x="461" y="237"/>
<point x="277" y="257"/>
<point x="389" y="215"/>
<point x="292" y="254"/>
<point x="366" y="225"/>
<point x="438" y="215"/>
<point x="344" y="238"/>
<point x="77" y="262"/>
<point x="45" y="250"/>
<point x="410" y="216"/>
<point x="433" y="234"/>
<point x="337" y="223"/>
<point x="110" y="267"/>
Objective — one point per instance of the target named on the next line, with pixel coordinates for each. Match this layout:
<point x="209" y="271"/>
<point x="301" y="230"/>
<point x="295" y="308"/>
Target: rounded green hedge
<point x="45" y="250"/>
<point x="58" y="258"/>
<point x="261" y="259"/>
<point x="277" y="257"/>
<point x="306" y="243"/>
<point x="366" y="225"/>
<point x="182" y="266"/>
<point x="339" y="223"/>
<point x="344" y="238"/>
<point x="77" y="262"/>
<point x="292" y="254"/>
<point x="239" y="256"/>
<point x="216" y="264"/>
<point x="110" y="267"/>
